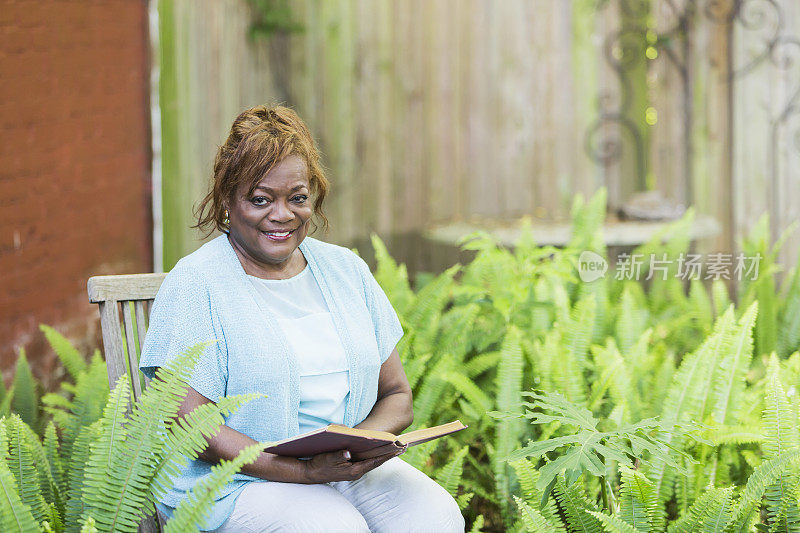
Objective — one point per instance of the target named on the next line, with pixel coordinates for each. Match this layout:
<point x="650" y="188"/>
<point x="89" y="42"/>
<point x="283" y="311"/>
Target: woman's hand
<point x="338" y="466"/>
<point x="377" y="452"/>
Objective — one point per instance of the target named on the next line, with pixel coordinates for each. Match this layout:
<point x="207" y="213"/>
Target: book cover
<point x="335" y="437"/>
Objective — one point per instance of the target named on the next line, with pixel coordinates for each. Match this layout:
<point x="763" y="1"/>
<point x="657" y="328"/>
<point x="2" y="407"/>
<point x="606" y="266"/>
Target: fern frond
<point x="729" y="384"/>
<point x="578" y="334"/>
<point x="125" y="494"/>
<point x="449" y="476"/>
<point x="453" y="324"/>
<point x="463" y="499"/>
<point x="415" y="368"/>
<point x="54" y="519"/>
<point x="686" y="397"/>
<point x="5" y="403"/>
<point x="614" y="370"/>
<point x="533" y="520"/>
<point x="782" y="503"/>
<point x="420" y="456"/>
<point x="559" y="367"/>
<point x="471" y="392"/>
<point x="509" y="398"/>
<point x="25" y="401"/>
<point x="719" y="294"/>
<point x="631" y="320"/>
<point x="57" y="406"/>
<point x="736" y="435"/>
<point x="587" y="222"/>
<point x="480" y="364"/>
<point x="528" y="476"/>
<point x="717" y="347"/>
<point x="779" y="419"/>
<point x="717" y="515"/>
<point x="69" y="356"/>
<point x="701" y="305"/>
<point x="686" y="488"/>
<point x="477" y="524"/>
<point x="56" y="464"/>
<point x="692" y="519"/>
<point x="113" y="434"/>
<point x="46" y="473"/>
<point x="21" y="463"/>
<point x="75" y="475"/>
<point x="187" y="436"/>
<point x="426" y="401"/>
<point x="614" y="524"/>
<point x="15" y="515"/>
<point x="192" y="510"/>
<point x="87" y="404"/>
<point x="425" y="312"/>
<point x="88" y="526"/>
<point x="789" y="314"/>
<point x="576" y="508"/>
<point x="781" y="435"/>
<point x="639" y="501"/>
<point x="763" y="476"/>
<point x="392" y="278"/>
<point x="658" y="386"/>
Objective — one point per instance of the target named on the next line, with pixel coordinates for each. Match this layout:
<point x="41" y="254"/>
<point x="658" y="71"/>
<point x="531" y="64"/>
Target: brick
<point x="74" y="164"/>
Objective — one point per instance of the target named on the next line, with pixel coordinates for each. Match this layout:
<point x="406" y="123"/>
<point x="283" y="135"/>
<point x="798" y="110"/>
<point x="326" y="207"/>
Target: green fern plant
<point x="118" y="464"/>
<point x="687" y="357"/>
<point x="590" y="448"/>
<point x="25" y="396"/>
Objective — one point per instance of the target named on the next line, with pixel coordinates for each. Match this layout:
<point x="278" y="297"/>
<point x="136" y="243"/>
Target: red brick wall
<point x="74" y="164"/>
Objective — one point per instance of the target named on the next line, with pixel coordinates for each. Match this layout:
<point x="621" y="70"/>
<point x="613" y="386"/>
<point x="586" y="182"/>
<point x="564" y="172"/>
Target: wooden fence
<point x="437" y="111"/>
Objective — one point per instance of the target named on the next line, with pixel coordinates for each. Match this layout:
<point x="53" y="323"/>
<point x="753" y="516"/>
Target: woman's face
<point x="267" y="226"/>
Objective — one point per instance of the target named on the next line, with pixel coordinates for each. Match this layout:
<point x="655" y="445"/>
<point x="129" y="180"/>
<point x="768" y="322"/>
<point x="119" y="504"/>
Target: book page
<point x="419" y="436"/>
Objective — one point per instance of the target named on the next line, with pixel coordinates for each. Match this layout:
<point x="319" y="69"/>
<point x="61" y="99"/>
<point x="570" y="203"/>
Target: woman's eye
<point x="300" y="198"/>
<point x="259" y="200"/>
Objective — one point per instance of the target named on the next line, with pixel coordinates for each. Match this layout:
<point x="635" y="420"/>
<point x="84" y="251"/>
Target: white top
<point x="321" y="360"/>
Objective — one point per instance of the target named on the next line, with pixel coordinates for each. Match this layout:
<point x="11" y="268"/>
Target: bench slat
<point x="133" y="353"/>
<point x="124" y="287"/>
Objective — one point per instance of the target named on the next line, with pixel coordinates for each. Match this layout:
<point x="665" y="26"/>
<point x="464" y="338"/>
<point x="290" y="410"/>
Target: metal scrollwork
<point x="604" y="144"/>
<point x="762" y="19"/>
<point x="764" y="16"/>
<point x="784" y="56"/>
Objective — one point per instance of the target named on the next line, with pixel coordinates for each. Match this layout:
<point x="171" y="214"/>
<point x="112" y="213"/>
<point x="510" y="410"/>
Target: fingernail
<point x="347" y="455"/>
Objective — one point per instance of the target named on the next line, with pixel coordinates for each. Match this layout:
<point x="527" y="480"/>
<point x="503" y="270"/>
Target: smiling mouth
<point x="278" y="235"/>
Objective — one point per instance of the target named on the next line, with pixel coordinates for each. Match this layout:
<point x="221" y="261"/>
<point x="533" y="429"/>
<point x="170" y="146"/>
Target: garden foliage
<point x="611" y="405"/>
<point x="102" y="461"/>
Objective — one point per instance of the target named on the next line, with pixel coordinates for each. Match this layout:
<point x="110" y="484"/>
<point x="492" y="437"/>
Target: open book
<point x="334" y="437"/>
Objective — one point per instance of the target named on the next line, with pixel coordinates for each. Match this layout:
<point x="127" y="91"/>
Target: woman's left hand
<point x="377" y="452"/>
<point x="339" y="466"/>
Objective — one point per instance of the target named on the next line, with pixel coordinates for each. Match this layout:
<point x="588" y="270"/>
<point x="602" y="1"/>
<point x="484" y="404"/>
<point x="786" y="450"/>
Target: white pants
<point x="394" y="497"/>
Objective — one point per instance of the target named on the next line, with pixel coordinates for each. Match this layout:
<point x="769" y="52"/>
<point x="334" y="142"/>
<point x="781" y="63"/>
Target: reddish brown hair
<point x="260" y="138"/>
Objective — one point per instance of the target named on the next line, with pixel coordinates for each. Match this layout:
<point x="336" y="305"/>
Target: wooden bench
<point x="124" y="303"/>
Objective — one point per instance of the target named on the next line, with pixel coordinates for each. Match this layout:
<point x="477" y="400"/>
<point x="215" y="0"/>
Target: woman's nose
<point x="281" y="212"/>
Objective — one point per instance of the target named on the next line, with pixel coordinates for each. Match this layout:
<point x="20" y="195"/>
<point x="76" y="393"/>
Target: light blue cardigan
<point x="207" y="296"/>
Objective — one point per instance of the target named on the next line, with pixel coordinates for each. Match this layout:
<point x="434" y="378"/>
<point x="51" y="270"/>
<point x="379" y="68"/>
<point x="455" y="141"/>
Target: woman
<point x="306" y="324"/>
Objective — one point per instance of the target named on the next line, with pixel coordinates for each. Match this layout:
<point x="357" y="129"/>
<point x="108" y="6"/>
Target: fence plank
<point x="440" y="111"/>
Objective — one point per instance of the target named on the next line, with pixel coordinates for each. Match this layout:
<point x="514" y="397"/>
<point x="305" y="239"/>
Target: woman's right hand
<point x="338" y="466"/>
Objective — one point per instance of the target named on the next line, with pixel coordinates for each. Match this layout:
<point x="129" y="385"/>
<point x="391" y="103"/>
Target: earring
<point x="226" y="221"/>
